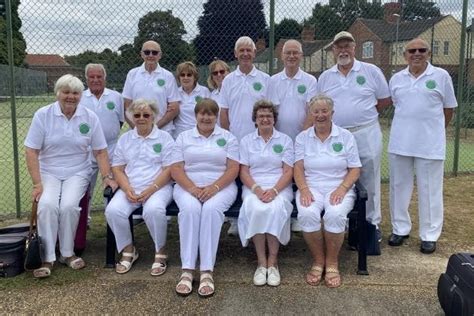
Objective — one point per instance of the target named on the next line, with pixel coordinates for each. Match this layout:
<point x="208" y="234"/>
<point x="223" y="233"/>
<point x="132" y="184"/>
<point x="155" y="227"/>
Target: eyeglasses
<point x="144" y="115"/>
<point x="183" y="75"/>
<point x="218" y="72"/>
<point x="267" y="116"/>
<point x="420" y="50"/>
<point x="147" y="52"/>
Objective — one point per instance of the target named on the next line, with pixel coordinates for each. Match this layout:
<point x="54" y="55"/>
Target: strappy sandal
<point x="206" y="280"/>
<point x="186" y="280"/>
<point x="44" y="271"/>
<point x="73" y="262"/>
<point x="127" y="264"/>
<point x="334" y="281"/>
<point x="159" y="268"/>
<point x="316" y="272"/>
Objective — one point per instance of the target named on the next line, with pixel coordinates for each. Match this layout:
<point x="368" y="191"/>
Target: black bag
<point x="456" y="286"/>
<point x="12" y="250"/>
<point x="34" y="246"/>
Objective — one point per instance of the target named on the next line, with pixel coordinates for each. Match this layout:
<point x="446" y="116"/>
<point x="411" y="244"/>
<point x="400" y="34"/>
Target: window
<point x="446" y="48"/>
<point x="436" y="48"/>
<point x="368" y="50"/>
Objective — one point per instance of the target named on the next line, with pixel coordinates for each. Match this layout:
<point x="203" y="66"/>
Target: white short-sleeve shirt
<point x="65" y="145"/>
<point x="265" y="159"/>
<point x="205" y="159"/>
<point x="159" y="86"/>
<point x="292" y="96"/>
<point x="326" y="163"/>
<point x="355" y="95"/>
<point x="143" y="157"/>
<point x="239" y="93"/>
<point x="418" y="123"/>
<point x="186" y="118"/>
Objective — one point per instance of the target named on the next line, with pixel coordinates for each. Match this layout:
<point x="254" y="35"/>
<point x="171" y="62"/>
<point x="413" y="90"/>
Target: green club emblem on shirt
<point x="157" y="148"/>
<point x="110" y="105"/>
<point x="301" y="89"/>
<point x="431" y="84"/>
<point x="278" y="148"/>
<point x="198" y="99"/>
<point x="221" y="142"/>
<point x="337" y="147"/>
<point x="360" y="80"/>
<point x="84" y="128"/>
<point x="257" y="86"/>
<point x="160" y="82"/>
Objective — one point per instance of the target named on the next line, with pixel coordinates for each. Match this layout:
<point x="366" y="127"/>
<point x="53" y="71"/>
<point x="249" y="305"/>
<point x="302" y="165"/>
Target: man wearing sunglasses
<point x="152" y="82"/>
<point x="424" y="101"/>
<point x="360" y="92"/>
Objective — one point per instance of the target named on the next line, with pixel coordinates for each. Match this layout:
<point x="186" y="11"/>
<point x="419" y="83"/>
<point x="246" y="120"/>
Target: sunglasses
<point x="420" y="50"/>
<point x="144" y="115"/>
<point x="218" y="72"/>
<point x="183" y="75"/>
<point x="153" y="52"/>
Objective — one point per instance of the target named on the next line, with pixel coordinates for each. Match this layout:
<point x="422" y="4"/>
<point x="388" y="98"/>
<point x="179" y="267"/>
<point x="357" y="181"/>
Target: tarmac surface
<point x="402" y="281"/>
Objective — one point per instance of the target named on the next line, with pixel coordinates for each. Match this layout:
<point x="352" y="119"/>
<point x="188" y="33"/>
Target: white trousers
<point x="335" y="216"/>
<point x="369" y="144"/>
<point x="200" y="225"/>
<point x="429" y="182"/>
<point x="58" y="214"/>
<point x="154" y="215"/>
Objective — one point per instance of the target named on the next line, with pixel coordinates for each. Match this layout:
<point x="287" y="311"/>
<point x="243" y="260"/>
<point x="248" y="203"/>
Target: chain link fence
<point x="54" y="37"/>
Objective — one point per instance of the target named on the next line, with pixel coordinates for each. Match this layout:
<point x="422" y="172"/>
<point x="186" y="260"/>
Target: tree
<point x="168" y="30"/>
<point x="413" y="10"/>
<point x="222" y="23"/>
<point x="287" y="28"/>
<point x="19" y="43"/>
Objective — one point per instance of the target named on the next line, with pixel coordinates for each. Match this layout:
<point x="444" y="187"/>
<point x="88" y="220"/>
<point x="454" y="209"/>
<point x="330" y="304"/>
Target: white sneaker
<point x="260" y="276"/>
<point x="273" y="276"/>
<point x="233" y="229"/>
<point x="295" y="226"/>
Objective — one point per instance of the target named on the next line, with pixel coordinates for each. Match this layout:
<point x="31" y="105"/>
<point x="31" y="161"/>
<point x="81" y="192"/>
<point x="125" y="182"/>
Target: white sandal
<point x="159" y="265"/>
<point x="186" y="279"/>
<point x="206" y="280"/>
<point x="127" y="264"/>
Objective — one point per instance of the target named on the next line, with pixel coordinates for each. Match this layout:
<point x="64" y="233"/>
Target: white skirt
<point x="256" y="217"/>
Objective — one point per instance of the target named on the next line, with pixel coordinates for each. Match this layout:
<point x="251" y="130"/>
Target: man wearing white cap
<point x="360" y="91"/>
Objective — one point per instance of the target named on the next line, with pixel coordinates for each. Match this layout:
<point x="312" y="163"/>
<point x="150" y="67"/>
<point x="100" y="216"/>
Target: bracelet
<point x="108" y="176"/>
<point x="304" y="188"/>
<point x="157" y="187"/>
<point x="275" y="190"/>
<point x="344" y="186"/>
<point x="254" y="187"/>
<point x="217" y="187"/>
<point x="37" y="185"/>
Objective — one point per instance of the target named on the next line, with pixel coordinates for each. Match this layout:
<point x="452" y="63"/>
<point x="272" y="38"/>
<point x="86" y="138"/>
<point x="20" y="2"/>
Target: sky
<point x="68" y="27"/>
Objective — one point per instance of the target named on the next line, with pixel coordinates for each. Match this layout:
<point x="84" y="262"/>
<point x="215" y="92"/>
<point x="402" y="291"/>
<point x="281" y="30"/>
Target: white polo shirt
<point x="205" y="159"/>
<point x="64" y="144"/>
<point x="326" y="163"/>
<point x="418" y="123"/>
<point x="239" y="93"/>
<point x="109" y="110"/>
<point x="143" y="157"/>
<point x="159" y="86"/>
<point x="265" y="159"/>
<point x="186" y="118"/>
<point x="291" y="96"/>
<point x="355" y="95"/>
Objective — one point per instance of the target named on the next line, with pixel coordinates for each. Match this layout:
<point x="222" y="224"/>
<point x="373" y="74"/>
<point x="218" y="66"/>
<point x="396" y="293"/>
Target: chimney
<point x="389" y="9"/>
<point x="260" y="44"/>
<point x="307" y="34"/>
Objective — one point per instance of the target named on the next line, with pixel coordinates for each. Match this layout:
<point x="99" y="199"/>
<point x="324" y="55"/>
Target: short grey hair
<point x="322" y="98"/>
<point x="293" y="41"/>
<point x="141" y="104"/>
<point x="95" y="66"/>
<point x="417" y="39"/>
<point x="244" y="40"/>
<point x="68" y="82"/>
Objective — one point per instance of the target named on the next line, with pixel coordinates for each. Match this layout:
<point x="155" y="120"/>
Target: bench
<point x="357" y="226"/>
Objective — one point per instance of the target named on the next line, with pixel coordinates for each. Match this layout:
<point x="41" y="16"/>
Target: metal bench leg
<point x="362" y="238"/>
<point x="110" y="249"/>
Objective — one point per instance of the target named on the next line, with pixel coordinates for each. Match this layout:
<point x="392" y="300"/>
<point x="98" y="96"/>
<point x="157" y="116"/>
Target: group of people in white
<point x="189" y="145"/>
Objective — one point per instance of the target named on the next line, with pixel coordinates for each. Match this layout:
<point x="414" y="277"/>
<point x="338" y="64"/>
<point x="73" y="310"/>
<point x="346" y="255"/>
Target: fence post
<point x="11" y="64"/>
<point x="460" y="91"/>
<point x="271" y="38"/>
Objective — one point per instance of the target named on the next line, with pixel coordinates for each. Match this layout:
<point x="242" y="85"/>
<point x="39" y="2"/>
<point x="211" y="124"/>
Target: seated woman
<point x="326" y="167"/>
<point x="58" y="147"/>
<point x="205" y="167"/>
<point x="141" y="166"/>
<point x="191" y="93"/>
<point x="266" y="158"/>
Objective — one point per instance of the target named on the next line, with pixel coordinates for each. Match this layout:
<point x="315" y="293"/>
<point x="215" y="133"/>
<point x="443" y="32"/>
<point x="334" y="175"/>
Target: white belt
<point x="358" y="128"/>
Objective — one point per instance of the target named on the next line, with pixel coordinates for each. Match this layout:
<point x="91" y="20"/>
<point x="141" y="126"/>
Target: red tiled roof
<point x="45" y="60"/>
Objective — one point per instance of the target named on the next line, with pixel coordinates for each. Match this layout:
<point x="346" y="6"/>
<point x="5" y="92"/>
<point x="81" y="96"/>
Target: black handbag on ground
<point x="34" y="246"/>
<point x="12" y="251"/>
<point x="456" y="286"/>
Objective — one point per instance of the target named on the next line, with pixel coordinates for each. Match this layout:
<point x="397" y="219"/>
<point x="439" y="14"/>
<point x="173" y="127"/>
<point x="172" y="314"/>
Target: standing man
<point x="290" y="91"/>
<point x="108" y="105"/>
<point x="360" y="92"/>
<point x="423" y="96"/>
<point x="151" y="82"/>
<point x="240" y="90"/>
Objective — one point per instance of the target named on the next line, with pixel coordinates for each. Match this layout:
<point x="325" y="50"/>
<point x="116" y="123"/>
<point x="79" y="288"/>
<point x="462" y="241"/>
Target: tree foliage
<point x="19" y="43"/>
<point x="222" y="23"/>
<point x="287" y="28"/>
<point x="419" y="10"/>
